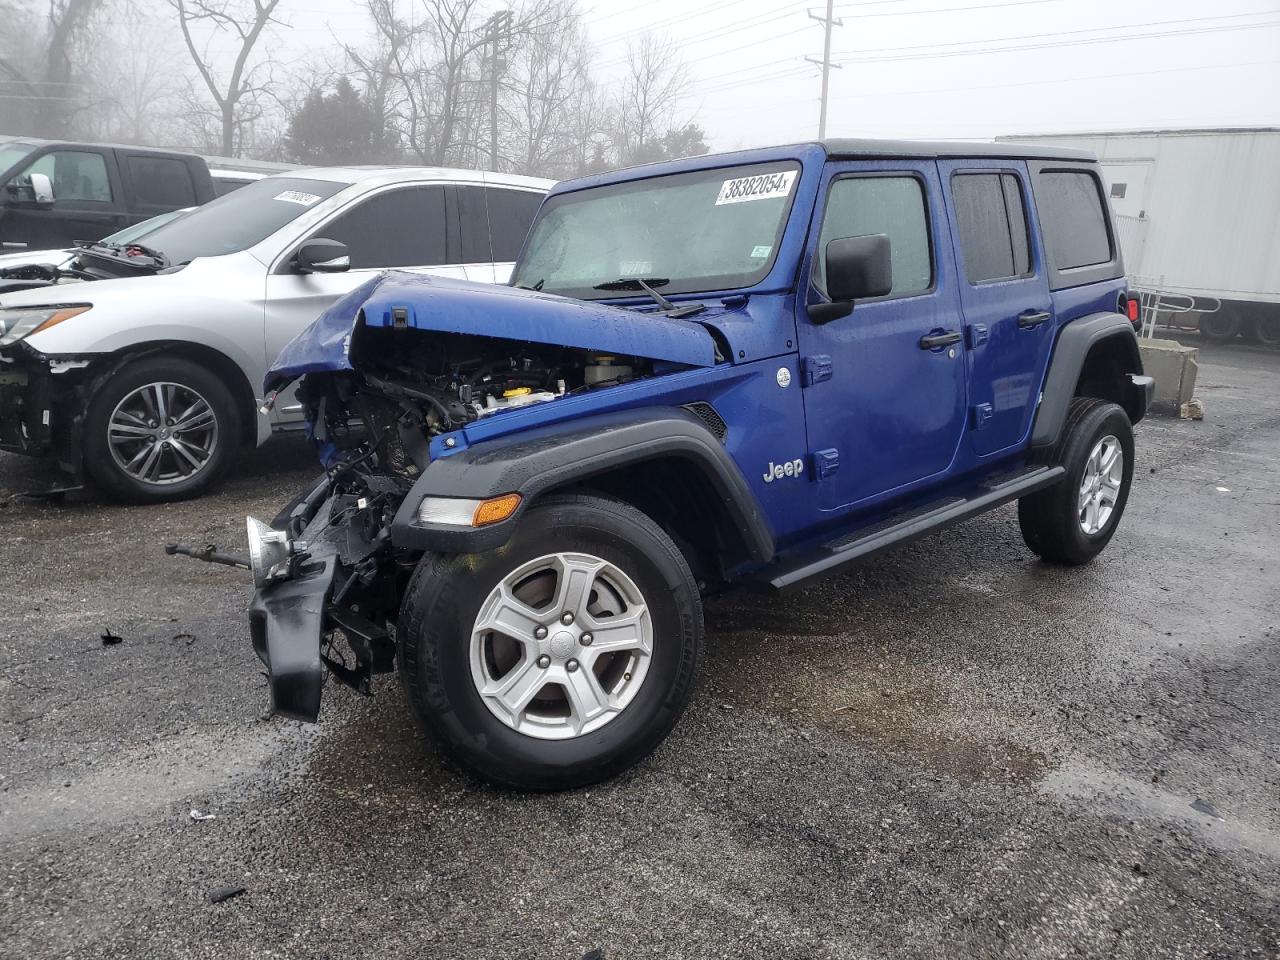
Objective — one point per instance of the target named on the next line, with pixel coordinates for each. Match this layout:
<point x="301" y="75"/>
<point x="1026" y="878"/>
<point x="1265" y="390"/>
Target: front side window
<point x="510" y="213"/>
<point x="75" y="175"/>
<point x="992" y="225"/>
<point x="894" y="206"/>
<point x="686" y="232"/>
<point x="399" y="228"/>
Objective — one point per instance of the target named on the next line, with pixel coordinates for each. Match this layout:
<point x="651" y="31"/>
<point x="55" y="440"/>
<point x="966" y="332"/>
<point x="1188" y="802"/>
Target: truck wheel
<point x="160" y="428"/>
<point x="561" y="658"/>
<point x="1072" y="521"/>
<point x="1220" y="326"/>
<point x="1266" y="330"/>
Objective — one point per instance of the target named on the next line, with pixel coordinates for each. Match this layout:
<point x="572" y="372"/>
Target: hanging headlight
<point x="269" y="552"/>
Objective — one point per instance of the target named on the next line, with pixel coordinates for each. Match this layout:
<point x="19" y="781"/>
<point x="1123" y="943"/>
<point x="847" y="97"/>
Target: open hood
<point x="419" y="302"/>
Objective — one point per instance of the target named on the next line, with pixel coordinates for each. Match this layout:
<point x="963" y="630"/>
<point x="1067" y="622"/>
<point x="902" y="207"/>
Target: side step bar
<point x="904" y="528"/>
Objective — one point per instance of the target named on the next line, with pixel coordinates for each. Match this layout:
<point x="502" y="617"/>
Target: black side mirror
<point x="856" y="268"/>
<point x="320" y="255"/>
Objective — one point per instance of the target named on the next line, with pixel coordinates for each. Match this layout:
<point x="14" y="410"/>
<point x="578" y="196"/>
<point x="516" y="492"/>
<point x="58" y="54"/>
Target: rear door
<point x="1004" y="293"/>
<point x="156" y="184"/>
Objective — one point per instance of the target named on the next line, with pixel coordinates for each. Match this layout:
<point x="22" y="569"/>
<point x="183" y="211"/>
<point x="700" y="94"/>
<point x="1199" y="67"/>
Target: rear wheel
<point x="1266" y="329"/>
<point x="561" y="658"/>
<point x="1071" y="522"/>
<point x="160" y="428"/>
<point x="1220" y="326"/>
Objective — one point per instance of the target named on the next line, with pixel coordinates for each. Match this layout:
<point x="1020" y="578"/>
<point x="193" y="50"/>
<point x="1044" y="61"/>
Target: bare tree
<point x="651" y="92"/>
<point x="238" y="96"/>
<point x="41" y="89"/>
<point x="549" y="78"/>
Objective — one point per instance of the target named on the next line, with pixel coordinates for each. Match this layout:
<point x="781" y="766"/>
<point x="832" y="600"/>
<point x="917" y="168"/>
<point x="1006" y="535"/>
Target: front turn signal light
<point x="495" y="509"/>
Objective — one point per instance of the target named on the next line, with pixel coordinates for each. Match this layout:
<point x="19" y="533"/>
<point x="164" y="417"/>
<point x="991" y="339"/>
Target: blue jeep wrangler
<point x="745" y="369"/>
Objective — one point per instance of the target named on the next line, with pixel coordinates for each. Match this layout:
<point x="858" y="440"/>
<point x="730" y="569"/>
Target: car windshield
<point x="238" y="220"/>
<point x="139" y="230"/>
<point x="686" y="232"/>
<point x="13" y="151"/>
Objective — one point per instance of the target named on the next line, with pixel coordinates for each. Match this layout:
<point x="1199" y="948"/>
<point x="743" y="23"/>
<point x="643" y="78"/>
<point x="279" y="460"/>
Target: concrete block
<point x="1174" y="368"/>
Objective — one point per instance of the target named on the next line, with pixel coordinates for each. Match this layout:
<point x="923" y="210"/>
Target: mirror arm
<point x="821" y="313"/>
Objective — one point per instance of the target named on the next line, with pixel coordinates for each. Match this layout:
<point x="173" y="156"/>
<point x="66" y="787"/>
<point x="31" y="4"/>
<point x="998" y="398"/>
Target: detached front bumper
<point x="287" y="623"/>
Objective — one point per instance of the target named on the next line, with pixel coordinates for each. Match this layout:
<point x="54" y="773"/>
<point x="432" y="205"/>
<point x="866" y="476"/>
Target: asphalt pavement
<point x="951" y="751"/>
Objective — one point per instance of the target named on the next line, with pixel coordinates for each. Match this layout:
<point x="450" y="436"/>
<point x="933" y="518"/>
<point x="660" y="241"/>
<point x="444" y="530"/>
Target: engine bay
<point x="406" y="388"/>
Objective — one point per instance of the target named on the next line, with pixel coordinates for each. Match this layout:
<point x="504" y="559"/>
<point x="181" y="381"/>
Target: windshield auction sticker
<point x="761" y="187"/>
<point x="297" y="196"/>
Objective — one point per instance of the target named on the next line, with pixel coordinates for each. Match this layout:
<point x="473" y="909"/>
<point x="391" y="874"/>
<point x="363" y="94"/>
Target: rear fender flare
<point x="537" y="461"/>
<point x="1075" y="342"/>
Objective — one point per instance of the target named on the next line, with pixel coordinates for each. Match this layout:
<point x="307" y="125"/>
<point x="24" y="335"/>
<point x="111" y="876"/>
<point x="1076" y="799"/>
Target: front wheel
<point x="1070" y="522"/>
<point x="160" y="428"/>
<point x="560" y="659"/>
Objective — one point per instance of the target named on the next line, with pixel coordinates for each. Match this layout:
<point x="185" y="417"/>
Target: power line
<point x="758" y="21"/>
<point x="891" y="52"/>
<point x="981" y="6"/>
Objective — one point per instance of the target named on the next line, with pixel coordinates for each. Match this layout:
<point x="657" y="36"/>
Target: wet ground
<point x="952" y="751"/>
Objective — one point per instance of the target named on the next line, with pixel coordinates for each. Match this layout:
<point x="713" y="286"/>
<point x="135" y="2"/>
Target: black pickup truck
<point x="53" y="193"/>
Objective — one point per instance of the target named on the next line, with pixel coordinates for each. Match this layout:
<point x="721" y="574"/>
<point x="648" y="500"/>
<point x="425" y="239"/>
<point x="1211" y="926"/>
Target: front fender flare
<point x="536" y="461"/>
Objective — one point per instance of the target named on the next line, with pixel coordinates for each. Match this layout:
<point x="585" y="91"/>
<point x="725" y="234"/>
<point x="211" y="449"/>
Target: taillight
<point x="1131" y="308"/>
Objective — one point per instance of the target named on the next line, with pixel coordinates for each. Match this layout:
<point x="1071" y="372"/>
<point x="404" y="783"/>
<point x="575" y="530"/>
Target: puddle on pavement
<point x="861" y="691"/>
<point x="1114" y="793"/>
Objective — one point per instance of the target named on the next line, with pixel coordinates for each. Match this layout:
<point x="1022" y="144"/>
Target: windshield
<point x="686" y="233"/>
<point x="238" y="220"/>
<point x="139" y="230"/>
<point x="13" y="151"/>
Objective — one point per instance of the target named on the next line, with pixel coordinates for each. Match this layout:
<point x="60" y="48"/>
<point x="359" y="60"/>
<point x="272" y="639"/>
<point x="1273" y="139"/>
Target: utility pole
<point x="497" y="30"/>
<point x="827" y="22"/>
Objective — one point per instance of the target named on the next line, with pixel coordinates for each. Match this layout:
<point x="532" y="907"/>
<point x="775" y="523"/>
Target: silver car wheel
<point x="561" y="646"/>
<point x="1100" y="485"/>
<point x="163" y="433"/>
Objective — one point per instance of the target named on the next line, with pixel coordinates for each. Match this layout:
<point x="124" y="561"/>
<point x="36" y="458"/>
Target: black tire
<point x="112" y="478"/>
<point x="1220" y="326"/>
<point x="1266" y="330"/>
<point x="1050" y="519"/>
<point x="439" y="613"/>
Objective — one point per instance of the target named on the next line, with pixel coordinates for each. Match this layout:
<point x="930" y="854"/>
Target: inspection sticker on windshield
<point x="297" y="196"/>
<point x="761" y="251"/>
<point x="760" y="187"/>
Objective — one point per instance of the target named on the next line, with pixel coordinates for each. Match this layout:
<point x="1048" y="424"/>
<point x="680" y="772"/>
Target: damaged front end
<point x="391" y="378"/>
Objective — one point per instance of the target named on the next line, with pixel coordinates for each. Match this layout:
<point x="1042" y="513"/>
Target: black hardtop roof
<point x="855" y="149"/>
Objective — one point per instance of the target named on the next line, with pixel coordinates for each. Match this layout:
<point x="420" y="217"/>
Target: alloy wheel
<point x="1100" y="485"/>
<point x="561" y="646"/>
<point x="163" y="433"/>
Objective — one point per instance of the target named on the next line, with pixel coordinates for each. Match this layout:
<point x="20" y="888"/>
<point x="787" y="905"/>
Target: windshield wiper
<point x="669" y="309"/>
<point x="536" y="287"/>
<point x="640" y="283"/>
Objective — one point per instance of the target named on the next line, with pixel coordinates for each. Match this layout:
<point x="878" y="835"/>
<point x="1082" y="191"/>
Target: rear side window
<point x="162" y="182"/>
<point x="400" y="228"/>
<point x="859" y="206"/>
<point x="992" y="224"/>
<point x="510" y="214"/>
<point x="1072" y="218"/>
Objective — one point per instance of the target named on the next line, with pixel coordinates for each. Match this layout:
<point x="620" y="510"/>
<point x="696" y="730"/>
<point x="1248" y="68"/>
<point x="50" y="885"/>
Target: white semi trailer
<point x="1198" y="216"/>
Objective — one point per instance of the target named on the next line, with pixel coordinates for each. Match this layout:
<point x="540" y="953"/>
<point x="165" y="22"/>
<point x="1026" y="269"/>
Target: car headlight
<point x="17" y="323"/>
<point x="269" y="552"/>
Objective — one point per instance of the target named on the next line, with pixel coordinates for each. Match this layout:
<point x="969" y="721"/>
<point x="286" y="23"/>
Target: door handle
<point x="1032" y="318"/>
<point x="935" y="340"/>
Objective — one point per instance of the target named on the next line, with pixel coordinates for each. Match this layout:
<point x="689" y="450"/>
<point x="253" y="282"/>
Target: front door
<point x="884" y="388"/>
<point x="403" y="228"/>
<point x="87" y="202"/>
<point x="1004" y="290"/>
